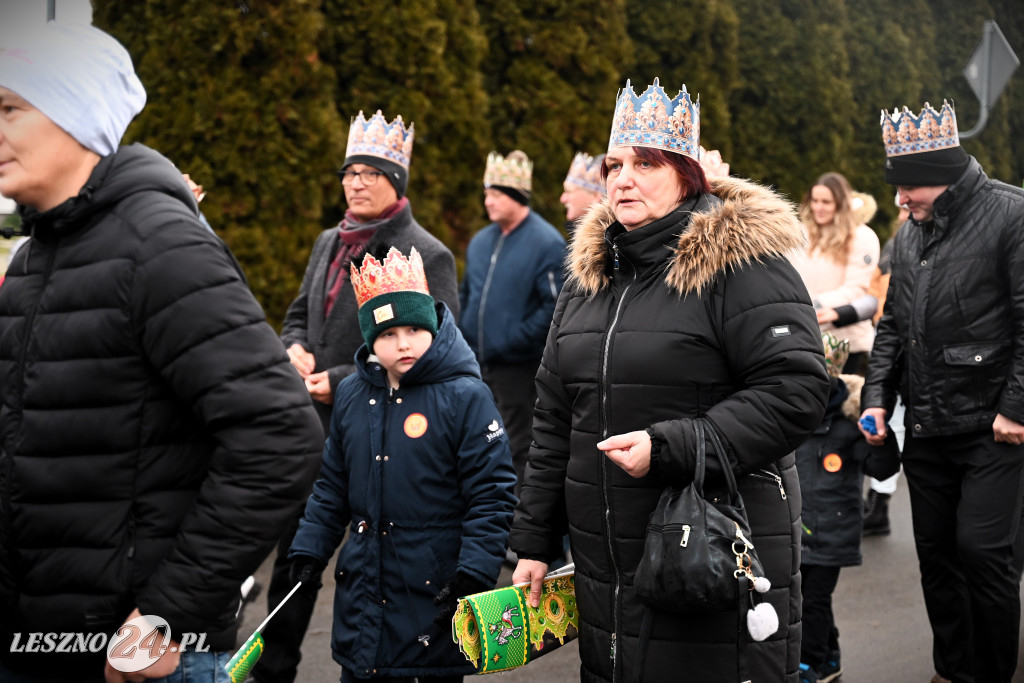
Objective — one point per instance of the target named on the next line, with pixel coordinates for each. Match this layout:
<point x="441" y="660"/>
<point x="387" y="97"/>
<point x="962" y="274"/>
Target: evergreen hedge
<point x="253" y="98"/>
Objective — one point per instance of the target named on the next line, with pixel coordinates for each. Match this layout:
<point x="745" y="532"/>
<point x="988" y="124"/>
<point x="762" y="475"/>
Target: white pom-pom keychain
<point x="762" y="621"/>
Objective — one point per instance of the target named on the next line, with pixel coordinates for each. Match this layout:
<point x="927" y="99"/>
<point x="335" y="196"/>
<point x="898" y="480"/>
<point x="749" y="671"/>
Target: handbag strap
<point x="707" y="431"/>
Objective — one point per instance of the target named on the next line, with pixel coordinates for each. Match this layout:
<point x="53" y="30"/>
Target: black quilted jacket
<point x="951" y="337"/>
<point x="153" y="436"/>
<point x="695" y="314"/>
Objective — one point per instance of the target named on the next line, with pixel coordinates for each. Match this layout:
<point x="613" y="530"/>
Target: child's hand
<point x="448" y="598"/>
<point x="306" y="569"/>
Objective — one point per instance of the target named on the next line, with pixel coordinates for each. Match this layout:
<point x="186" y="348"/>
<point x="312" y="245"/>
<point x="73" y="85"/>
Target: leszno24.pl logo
<point x="135" y="645"/>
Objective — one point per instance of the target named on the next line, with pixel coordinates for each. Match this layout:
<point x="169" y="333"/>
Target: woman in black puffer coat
<point x="680" y="304"/>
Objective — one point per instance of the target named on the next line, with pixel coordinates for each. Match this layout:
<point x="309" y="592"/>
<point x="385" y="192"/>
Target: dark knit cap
<point x="398" y="175"/>
<point x="923" y="169"/>
<point x="396" y="309"/>
<point x="521" y="196"/>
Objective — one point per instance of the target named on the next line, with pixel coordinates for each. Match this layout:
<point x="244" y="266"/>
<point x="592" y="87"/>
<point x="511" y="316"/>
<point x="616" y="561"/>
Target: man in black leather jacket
<point x="951" y="342"/>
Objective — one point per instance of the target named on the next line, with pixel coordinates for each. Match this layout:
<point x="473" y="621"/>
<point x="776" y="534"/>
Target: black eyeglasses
<point x="369" y="178"/>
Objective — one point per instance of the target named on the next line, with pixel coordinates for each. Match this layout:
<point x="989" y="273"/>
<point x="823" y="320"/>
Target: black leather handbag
<point x="698" y="552"/>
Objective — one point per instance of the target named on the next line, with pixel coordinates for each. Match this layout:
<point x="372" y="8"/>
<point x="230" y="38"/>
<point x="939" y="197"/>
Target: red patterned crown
<point x="396" y="274"/>
<point x="585" y="172"/>
<point x="376" y="137"/>
<point x="654" y="120"/>
<point x="904" y="133"/>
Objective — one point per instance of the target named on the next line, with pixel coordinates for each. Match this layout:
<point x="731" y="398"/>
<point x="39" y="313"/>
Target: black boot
<point x="876" y="514"/>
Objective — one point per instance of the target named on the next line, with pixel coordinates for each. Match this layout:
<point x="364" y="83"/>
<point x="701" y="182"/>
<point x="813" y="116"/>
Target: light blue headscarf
<point x="81" y="78"/>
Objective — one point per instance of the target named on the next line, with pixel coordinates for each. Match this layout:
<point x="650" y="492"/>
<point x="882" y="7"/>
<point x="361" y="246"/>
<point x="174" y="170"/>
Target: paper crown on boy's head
<point x="924" y="149"/>
<point x="383" y="145"/>
<point x="585" y="172"/>
<point x="514" y="171"/>
<point x="654" y="120"/>
<point x="836" y="353"/>
<point x="392" y="294"/>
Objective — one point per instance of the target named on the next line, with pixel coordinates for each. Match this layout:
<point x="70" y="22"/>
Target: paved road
<point x="879" y="612"/>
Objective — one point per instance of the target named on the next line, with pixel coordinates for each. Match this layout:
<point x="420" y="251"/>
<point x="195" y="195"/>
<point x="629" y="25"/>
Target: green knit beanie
<point x="396" y="309"/>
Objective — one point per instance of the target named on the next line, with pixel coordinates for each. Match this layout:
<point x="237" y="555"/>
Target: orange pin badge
<point x="415" y="426"/>
<point x="833" y="462"/>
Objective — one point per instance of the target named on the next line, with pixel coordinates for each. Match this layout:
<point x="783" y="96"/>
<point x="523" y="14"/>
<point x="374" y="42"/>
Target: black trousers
<point x="965" y="495"/>
<point x="515" y="393"/>
<point x="283" y="635"/>
<point x="820" y="634"/>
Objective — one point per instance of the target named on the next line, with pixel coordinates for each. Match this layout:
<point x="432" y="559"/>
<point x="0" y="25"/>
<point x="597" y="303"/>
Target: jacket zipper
<point x="551" y="284"/>
<point x="770" y="476"/>
<point x="483" y="299"/>
<point x="604" y="467"/>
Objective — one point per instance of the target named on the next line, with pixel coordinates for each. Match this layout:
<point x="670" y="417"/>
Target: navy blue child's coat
<point x="422" y="477"/>
<point x="832" y="464"/>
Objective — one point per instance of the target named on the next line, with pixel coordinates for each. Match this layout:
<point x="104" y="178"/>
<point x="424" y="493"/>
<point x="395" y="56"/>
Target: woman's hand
<point x="532" y="572"/>
<point x="827" y="315"/>
<point x="630" y="451"/>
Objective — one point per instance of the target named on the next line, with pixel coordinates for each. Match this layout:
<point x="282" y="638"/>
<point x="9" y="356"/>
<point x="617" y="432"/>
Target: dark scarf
<point x="352" y="239"/>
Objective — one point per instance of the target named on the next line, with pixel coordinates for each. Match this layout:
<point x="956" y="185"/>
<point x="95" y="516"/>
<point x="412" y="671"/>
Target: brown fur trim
<point x="752" y="223"/>
<point x="851" y="406"/>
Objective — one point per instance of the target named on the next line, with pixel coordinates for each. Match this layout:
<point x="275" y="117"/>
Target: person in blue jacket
<point x="832" y="464"/>
<point x="513" y="275"/>
<point x="417" y="466"/>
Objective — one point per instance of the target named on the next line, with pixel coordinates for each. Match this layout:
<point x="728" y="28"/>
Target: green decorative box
<point x="497" y="630"/>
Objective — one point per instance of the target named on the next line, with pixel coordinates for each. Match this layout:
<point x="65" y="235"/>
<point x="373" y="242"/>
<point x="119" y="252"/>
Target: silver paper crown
<point x="378" y="138"/>
<point x="515" y="171"/>
<point x="904" y="133"/>
<point x="585" y="172"/>
<point x="654" y="120"/>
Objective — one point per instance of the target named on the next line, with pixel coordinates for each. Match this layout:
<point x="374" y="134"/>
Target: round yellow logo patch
<point x="833" y="463"/>
<point x="415" y="426"/>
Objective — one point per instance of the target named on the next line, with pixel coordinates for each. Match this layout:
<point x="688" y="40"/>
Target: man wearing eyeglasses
<point x="321" y="327"/>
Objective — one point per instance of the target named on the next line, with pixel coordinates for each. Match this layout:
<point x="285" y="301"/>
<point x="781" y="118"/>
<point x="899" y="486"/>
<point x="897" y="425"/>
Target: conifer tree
<point x="552" y="70"/>
<point x="239" y="98"/>
<point x="890" y="65"/>
<point x="792" y="109"/>
<point x="420" y="60"/>
<point x="671" y="45"/>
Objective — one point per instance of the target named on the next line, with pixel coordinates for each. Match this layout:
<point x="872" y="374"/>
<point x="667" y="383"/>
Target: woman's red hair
<point x="691" y="175"/>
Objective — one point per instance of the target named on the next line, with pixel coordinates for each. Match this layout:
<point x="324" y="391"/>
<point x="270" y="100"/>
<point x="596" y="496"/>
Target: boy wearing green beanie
<point x="418" y="468"/>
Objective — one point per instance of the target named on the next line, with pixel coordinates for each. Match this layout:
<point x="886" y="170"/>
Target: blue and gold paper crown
<point x="585" y="172"/>
<point x="904" y="133"/>
<point x="653" y="120"/>
<point x="378" y="138"/>
<point x="515" y="171"/>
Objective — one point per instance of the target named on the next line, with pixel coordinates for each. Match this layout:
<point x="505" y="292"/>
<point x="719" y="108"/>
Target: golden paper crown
<point x="654" y="120"/>
<point x="378" y="138"/>
<point x="515" y="171"/>
<point x="904" y="133"/>
<point x="396" y="274"/>
<point x="836" y="353"/>
<point x="585" y="172"/>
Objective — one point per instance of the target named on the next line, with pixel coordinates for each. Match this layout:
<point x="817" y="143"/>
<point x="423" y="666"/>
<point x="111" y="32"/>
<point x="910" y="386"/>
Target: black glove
<point x="306" y="569"/>
<point x="448" y="599"/>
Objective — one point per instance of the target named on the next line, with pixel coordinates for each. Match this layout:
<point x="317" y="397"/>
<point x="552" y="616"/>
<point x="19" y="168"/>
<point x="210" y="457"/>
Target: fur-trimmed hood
<point x="750" y="222"/>
<point x="851" y="406"/>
